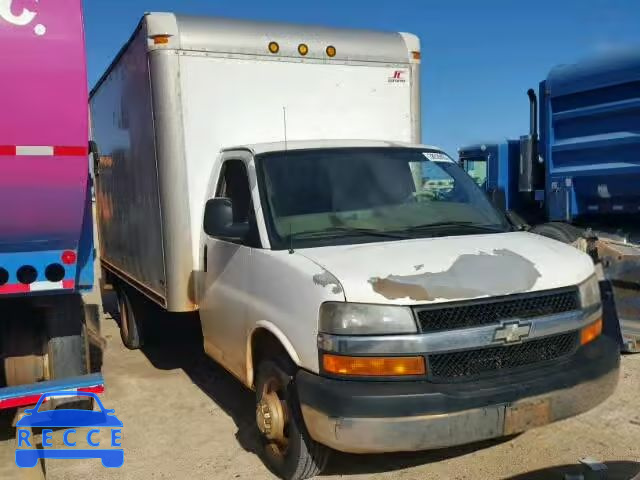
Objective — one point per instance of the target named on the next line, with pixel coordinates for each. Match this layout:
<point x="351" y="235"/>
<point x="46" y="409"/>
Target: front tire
<point x="286" y="446"/>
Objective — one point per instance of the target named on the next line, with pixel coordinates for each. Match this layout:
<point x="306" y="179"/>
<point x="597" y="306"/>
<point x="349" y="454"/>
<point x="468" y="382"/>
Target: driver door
<point x="223" y="306"/>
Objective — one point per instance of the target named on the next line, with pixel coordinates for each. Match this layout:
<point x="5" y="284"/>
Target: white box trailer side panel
<point x="233" y="101"/>
<point x="128" y="207"/>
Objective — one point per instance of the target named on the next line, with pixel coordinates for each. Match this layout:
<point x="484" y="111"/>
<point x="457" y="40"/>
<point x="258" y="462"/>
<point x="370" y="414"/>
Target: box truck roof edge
<point x="215" y="34"/>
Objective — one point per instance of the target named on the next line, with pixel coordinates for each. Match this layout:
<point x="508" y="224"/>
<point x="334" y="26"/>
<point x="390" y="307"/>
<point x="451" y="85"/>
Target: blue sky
<point x="478" y="56"/>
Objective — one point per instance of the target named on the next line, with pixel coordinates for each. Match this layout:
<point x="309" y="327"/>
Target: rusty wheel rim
<point x="272" y="417"/>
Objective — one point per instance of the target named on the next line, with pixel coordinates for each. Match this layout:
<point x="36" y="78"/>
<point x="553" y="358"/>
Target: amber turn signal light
<point x="160" y="39"/>
<point x="373" y="366"/>
<point x="591" y="332"/>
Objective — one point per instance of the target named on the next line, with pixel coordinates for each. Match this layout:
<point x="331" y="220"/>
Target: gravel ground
<point x="186" y="418"/>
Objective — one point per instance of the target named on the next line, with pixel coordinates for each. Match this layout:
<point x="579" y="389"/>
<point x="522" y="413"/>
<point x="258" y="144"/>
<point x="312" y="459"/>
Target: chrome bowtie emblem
<point x="512" y="332"/>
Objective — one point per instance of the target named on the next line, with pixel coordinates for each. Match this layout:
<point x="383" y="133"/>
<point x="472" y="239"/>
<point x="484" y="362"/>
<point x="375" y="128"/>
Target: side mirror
<point x="218" y="220"/>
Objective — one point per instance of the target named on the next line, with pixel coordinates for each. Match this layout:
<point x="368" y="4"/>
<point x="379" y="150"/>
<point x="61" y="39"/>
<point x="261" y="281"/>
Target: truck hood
<point x="432" y="270"/>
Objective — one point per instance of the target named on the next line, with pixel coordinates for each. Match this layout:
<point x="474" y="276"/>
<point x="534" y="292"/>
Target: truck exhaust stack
<point x="530" y="165"/>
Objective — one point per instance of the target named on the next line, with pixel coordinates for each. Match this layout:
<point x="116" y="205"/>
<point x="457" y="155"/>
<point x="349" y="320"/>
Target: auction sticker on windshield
<point x="102" y="440"/>
<point x="438" y="157"/>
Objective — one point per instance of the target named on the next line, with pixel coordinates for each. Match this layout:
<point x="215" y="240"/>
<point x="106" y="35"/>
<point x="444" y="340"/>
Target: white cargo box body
<point x="184" y="87"/>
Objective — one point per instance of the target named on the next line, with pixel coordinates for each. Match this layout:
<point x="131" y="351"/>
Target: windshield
<point x="355" y="195"/>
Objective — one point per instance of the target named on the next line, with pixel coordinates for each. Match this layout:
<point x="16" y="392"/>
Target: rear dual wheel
<point x="131" y="312"/>
<point x="287" y="448"/>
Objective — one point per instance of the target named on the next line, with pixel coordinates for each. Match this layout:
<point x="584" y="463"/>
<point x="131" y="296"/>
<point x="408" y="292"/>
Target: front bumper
<point x="367" y="416"/>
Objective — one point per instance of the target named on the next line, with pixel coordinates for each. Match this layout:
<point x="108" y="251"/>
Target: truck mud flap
<point x="610" y="320"/>
<point x="618" y="324"/>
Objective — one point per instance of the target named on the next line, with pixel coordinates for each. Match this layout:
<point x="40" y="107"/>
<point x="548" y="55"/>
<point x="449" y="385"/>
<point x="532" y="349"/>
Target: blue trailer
<point x="578" y="181"/>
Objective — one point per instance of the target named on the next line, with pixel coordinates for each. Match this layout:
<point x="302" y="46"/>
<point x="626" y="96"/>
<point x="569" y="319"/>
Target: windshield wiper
<point x="338" y="231"/>
<point x="451" y="224"/>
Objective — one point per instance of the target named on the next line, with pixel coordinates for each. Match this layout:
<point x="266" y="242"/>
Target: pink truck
<point x="49" y="311"/>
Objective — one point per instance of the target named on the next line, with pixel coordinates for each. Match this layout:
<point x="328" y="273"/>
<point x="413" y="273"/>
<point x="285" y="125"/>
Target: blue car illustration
<point x="69" y="418"/>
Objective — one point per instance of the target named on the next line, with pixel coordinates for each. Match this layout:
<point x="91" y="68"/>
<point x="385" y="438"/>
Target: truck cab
<point x="492" y="167"/>
<point x="389" y="304"/>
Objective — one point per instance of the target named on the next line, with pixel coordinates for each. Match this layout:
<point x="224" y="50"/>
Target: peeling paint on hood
<point x="516" y="274"/>
<point x="431" y="270"/>
<point x="325" y="279"/>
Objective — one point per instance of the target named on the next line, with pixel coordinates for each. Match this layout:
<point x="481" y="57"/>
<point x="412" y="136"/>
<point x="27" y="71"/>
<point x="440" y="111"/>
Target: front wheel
<point x="287" y="448"/>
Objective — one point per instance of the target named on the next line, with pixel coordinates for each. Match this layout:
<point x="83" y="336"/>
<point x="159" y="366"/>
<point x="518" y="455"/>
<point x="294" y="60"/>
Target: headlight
<point x="589" y="292"/>
<point x="361" y="319"/>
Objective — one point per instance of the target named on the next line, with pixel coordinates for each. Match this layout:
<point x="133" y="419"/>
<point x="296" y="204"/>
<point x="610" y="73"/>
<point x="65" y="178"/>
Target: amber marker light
<point x="591" y="332"/>
<point x="373" y="366"/>
<point x="161" y="39"/>
<point x="274" y="47"/>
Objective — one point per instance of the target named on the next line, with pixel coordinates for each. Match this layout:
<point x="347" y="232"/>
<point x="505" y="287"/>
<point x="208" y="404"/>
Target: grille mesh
<point x="475" y="314"/>
<point x="475" y="362"/>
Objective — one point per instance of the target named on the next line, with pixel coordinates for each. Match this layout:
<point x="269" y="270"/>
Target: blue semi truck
<point x="578" y="179"/>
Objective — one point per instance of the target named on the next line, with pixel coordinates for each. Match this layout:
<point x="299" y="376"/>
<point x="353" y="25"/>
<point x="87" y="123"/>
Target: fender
<point x="282" y="338"/>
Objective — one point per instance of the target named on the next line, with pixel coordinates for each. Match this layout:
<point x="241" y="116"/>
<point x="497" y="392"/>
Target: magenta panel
<point x="43" y="101"/>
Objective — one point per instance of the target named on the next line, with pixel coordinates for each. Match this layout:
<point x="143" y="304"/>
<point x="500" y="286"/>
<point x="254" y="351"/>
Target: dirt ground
<point x="186" y="418"/>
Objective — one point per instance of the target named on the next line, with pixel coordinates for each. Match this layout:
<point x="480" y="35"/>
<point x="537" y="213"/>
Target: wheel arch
<point x="265" y="339"/>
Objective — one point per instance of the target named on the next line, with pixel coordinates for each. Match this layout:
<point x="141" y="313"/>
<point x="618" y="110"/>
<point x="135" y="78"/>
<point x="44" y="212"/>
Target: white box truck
<point x="270" y="177"/>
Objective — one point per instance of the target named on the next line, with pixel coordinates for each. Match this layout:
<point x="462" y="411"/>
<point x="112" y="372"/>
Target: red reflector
<point x="71" y="151"/>
<point x="69" y="257"/>
<point x="19" y="401"/>
<point x="68" y="284"/>
<point x="7" y="150"/>
<point x="96" y="389"/>
<point x="17" y="288"/>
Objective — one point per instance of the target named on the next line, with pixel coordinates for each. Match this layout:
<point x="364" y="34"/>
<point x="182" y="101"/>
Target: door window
<point x="234" y="184"/>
